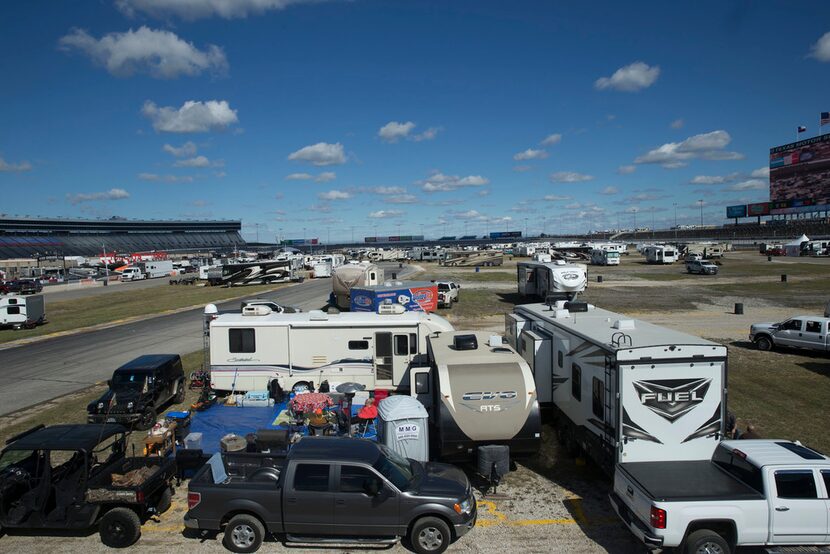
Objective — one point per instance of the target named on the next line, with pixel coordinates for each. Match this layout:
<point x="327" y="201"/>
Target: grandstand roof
<point x="52" y="225"/>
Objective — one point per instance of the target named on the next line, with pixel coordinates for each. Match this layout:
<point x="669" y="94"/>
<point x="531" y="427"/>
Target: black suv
<point x="138" y="389"/>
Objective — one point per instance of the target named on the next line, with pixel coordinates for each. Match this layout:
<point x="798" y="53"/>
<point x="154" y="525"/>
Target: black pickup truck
<point x="73" y="477"/>
<point x="331" y="490"/>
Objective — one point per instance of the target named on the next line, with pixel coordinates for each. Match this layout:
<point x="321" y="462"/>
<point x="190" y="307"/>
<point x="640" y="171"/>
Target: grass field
<point x="469" y="276"/>
<point x="106" y="308"/>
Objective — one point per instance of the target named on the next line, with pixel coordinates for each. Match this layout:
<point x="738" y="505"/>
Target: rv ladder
<point x="608" y="437"/>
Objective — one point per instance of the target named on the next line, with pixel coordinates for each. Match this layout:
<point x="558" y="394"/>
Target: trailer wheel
<point x="704" y="541"/>
<point x="119" y="528"/>
<point x="763" y="343"/>
<point x="244" y="533"/>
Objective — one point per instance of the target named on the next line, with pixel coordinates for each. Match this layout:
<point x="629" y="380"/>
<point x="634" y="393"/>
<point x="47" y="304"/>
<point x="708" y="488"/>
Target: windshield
<point x="395" y="468"/>
<point x="129" y="379"/>
<point x="613" y="254"/>
<point x="443" y="287"/>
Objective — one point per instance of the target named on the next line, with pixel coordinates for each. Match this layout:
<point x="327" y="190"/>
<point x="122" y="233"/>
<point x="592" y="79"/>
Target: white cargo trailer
<point x="20" y="312"/>
<point x="661" y="254"/>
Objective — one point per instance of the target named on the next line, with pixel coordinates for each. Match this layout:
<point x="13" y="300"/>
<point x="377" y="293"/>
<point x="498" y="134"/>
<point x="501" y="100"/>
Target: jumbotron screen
<point x="800" y="171"/>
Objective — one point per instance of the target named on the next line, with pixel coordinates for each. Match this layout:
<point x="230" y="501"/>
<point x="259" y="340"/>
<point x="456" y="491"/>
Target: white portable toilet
<point x="403" y="427"/>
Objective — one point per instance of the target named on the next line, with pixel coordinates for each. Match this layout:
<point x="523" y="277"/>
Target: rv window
<point x="13" y="310"/>
<point x="576" y="382"/>
<point x="560" y="358"/>
<point x="413" y="343"/>
<point x="372" y="276"/>
<point x="422" y="383"/>
<point x="813" y="327"/>
<point x="241" y="340"/>
<point x="401" y="345"/>
<point x="358" y="345"/>
<point x="598" y="399"/>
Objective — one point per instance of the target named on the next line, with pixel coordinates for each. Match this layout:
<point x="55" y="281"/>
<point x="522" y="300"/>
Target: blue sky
<point x="326" y="118"/>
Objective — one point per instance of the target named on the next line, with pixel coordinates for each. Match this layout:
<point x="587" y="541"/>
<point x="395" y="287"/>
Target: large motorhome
<point x="345" y="277"/>
<point x="424" y="254"/>
<point x="661" y="254"/>
<point x="623" y="390"/>
<point x="258" y="349"/>
<point x="558" y="279"/>
<point x="605" y="257"/>
<point x="260" y="272"/>
<point x="471" y="258"/>
<point x="478" y="392"/>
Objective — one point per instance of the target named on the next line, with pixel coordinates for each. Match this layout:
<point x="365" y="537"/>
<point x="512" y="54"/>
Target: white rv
<point x="623" y="390"/>
<point x="22" y="311"/>
<point x="321" y="269"/>
<point x="543" y="257"/>
<point x="258" y="349"/>
<point x="557" y="279"/>
<point x="661" y="254"/>
<point x="604" y="257"/>
<point x="353" y="275"/>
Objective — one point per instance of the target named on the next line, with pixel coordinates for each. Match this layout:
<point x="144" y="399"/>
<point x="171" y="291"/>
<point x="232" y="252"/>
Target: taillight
<point x="139" y="497"/>
<point x="193" y="499"/>
<point x="658" y="518"/>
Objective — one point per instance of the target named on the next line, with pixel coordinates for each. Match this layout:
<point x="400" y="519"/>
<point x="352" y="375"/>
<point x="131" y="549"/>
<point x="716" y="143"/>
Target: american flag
<point x="802" y="129"/>
<point x="825" y="118"/>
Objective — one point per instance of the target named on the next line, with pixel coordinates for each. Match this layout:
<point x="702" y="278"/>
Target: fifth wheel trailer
<point x="623" y="390"/>
<point x="557" y="279"/>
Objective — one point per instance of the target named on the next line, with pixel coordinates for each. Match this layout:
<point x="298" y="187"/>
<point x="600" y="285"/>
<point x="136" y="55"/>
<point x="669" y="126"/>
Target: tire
<point x="430" y="535"/>
<point x="244" y="533"/>
<point x="300" y="385"/>
<point x="165" y="501"/>
<point x="704" y="541"/>
<point x="763" y="343"/>
<point x="119" y="528"/>
<point x="148" y="419"/>
<point x="180" y="392"/>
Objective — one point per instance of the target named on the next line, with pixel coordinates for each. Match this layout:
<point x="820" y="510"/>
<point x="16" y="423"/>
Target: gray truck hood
<point x="443" y="480"/>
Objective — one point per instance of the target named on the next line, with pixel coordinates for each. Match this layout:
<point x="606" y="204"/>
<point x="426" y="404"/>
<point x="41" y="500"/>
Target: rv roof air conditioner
<point x="256" y="310"/>
<point x="496" y="341"/>
<point x="465" y="342"/>
<point x="624" y="324"/>
<point x="317" y="315"/>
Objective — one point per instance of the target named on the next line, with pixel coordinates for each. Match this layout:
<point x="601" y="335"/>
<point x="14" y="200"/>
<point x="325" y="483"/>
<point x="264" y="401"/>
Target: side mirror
<point x="109" y="383"/>
<point x="371" y="487"/>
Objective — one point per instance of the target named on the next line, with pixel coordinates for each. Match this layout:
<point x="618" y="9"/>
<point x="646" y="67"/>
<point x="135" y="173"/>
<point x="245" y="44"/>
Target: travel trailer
<point x="543" y="257"/>
<point x="478" y="392"/>
<point x="260" y="350"/>
<point x="622" y="390"/>
<point x="660" y="254"/>
<point x="321" y="269"/>
<point x="558" y="279"/>
<point x="471" y="258"/>
<point x="605" y="257"/>
<point x="20" y="312"/>
<point x="423" y="254"/>
<point x="352" y="275"/>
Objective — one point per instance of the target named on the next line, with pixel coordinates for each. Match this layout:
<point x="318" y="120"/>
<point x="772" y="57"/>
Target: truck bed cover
<point x="688" y="481"/>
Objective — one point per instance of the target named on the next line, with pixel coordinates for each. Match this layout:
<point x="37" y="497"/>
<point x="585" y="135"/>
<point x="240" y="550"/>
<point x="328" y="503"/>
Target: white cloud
<point x="325" y="177"/>
<point x="387" y="190"/>
<point x="609" y="191"/>
<point x="626" y="169"/>
<point x="186" y="149"/>
<point x="750" y="184"/>
<point x="199" y="161"/>
<point x="160" y="54"/>
<point x="112" y="194"/>
<point x="707" y="146"/>
<point x="166" y="178"/>
<point x="713" y="179"/>
<point x="322" y="208"/>
<point x="761" y="173"/>
<point x="14" y="167"/>
<point x="469" y="214"/>
<point x="556" y="198"/>
<point x="385" y="214"/>
<point x="522" y="168"/>
<point x="569" y="177"/>
<point x="402" y="199"/>
<point x="334" y="195"/>
<point x="821" y="49"/>
<point x="299" y="177"/>
<point x="439" y="182"/>
<point x="631" y="78"/>
<point x="530" y="154"/>
<point x="198" y="9"/>
<point x="677" y="124"/>
<point x="428" y="134"/>
<point x="550" y="140"/>
<point x="320" y="154"/>
<point x="192" y="117"/>
<point x="394" y="131"/>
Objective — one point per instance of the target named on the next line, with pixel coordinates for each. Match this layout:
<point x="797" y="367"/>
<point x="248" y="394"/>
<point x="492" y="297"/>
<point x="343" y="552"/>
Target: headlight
<point x="100" y="405"/>
<point x="465" y="505"/>
<point x="129" y="405"/>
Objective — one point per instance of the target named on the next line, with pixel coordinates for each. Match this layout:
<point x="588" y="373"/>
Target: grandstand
<point x="31" y="237"/>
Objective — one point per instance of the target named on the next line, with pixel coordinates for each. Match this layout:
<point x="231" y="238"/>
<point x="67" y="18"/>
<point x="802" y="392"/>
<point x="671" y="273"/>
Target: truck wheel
<point x="763" y="343"/>
<point x="244" y="533"/>
<point x="430" y="535"/>
<point x="119" y="528"/>
<point x="165" y="501"/>
<point x="704" y="541"/>
<point x="180" y="392"/>
<point x="148" y="419"/>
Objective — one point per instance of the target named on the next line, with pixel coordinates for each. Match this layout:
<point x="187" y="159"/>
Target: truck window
<point x="795" y="484"/>
<point x="739" y="468"/>
<point x="401" y="345"/>
<point x="598" y="398"/>
<point x="358" y="345"/>
<point x="812" y="327"/>
<point x="792" y="325"/>
<point x="241" y="340"/>
<point x="576" y="382"/>
<point x="355" y="479"/>
<point x="311" y="477"/>
<point x="825" y="474"/>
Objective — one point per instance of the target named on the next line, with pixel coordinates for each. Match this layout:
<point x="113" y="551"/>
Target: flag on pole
<point x="802" y="129"/>
<point x="825" y="118"/>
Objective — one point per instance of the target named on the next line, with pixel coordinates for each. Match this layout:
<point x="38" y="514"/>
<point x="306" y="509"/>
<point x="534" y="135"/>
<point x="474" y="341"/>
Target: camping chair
<point x="365" y="425"/>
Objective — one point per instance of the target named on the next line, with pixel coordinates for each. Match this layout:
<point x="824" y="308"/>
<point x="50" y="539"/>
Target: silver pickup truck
<point x="806" y="331"/>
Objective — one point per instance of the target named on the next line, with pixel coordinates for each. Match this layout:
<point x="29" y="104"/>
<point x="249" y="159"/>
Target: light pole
<point x="701" y="211"/>
<point x="675" y="221"/>
<point x="525" y="227"/>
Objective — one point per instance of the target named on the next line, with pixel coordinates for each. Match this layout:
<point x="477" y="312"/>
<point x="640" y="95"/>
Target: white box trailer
<point x="252" y="350"/>
<point x="558" y="279"/>
<point x="604" y="257"/>
<point x="20" y="312"/>
<point x="661" y="254"/>
<point x="623" y="390"/>
<point x="158" y="268"/>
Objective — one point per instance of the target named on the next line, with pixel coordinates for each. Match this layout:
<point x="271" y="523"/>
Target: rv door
<point x="420" y="386"/>
<point x="392" y="355"/>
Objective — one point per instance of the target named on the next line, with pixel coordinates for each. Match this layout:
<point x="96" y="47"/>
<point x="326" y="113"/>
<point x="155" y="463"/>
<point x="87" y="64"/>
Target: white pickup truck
<point x="751" y="493"/>
<point x="806" y="331"/>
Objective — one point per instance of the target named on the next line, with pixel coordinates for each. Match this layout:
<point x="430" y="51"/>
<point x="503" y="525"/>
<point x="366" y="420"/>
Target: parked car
<point x="63" y="477"/>
<point x="447" y="293"/>
<point x="138" y="390"/>
<point x="701" y="267"/>
<point x="753" y="492"/>
<point x="693" y="257"/>
<point x="806" y="331"/>
<point x="22" y="286"/>
<point x="331" y="489"/>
